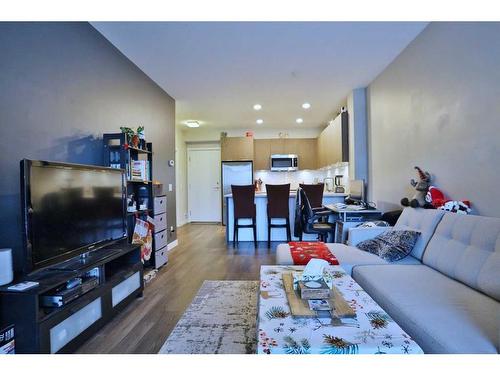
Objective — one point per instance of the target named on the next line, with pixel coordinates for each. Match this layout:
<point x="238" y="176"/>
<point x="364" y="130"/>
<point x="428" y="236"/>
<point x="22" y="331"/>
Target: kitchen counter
<point x="277" y="234"/>
<point x="293" y="193"/>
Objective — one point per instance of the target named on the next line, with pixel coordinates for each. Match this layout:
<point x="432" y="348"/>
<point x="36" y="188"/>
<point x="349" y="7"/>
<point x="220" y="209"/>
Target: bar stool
<point x="277" y="208"/>
<point x="244" y="208"/>
<point x="314" y="193"/>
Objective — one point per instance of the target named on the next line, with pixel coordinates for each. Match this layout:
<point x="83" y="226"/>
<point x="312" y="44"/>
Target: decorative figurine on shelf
<point x="421" y="188"/>
<point x="140" y="132"/>
<point x="131" y="206"/>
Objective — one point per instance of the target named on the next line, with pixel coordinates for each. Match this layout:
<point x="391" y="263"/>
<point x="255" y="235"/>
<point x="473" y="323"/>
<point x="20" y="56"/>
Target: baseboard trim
<point x="172" y="244"/>
<point x="181" y="223"/>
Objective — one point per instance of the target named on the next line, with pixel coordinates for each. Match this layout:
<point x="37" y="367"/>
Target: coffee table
<point x="372" y="331"/>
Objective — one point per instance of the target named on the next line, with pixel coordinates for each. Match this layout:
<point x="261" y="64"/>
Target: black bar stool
<point x="244" y="208"/>
<point x="277" y="208"/>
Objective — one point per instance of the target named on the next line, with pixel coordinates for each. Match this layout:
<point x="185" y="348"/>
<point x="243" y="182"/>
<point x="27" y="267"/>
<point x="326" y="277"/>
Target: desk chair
<point x="314" y="193"/>
<point x="310" y="220"/>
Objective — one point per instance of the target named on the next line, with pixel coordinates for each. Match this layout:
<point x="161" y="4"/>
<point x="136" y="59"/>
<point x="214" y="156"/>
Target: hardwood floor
<point x="201" y="255"/>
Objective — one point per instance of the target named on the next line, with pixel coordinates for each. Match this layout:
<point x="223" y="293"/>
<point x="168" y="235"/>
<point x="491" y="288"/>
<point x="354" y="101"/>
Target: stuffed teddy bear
<point x="421" y="188"/>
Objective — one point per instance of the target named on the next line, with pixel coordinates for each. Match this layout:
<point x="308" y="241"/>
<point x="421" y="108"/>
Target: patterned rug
<point x="220" y="320"/>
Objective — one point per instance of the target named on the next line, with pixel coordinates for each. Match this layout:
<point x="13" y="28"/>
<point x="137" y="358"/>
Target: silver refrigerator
<point x="234" y="173"/>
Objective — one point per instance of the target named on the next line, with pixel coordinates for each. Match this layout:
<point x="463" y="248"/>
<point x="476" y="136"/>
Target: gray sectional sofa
<point x="446" y="293"/>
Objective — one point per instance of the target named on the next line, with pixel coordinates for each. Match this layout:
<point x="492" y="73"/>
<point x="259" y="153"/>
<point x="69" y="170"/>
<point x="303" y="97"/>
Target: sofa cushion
<point x="420" y="220"/>
<point x="392" y="245"/>
<point x="348" y="256"/>
<point x="439" y="313"/>
<point x="467" y="248"/>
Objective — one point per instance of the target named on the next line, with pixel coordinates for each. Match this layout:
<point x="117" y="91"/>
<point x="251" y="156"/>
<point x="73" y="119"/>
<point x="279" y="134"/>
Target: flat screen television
<point x="69" y="209"/>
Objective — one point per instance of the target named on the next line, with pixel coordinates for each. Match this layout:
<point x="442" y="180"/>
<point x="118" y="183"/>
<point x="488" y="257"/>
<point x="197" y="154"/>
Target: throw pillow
<point x="392" y="245"/>
<point x="373" y="224"/>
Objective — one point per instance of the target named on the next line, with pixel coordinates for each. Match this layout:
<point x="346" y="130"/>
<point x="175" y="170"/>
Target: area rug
<point x="220" y="320"/>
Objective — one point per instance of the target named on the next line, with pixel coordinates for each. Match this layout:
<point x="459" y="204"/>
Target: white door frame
<point x="193" y="148"/>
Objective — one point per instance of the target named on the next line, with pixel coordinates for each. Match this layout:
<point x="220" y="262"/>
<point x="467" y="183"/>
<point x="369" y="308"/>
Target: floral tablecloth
<point x="372" y="331"/>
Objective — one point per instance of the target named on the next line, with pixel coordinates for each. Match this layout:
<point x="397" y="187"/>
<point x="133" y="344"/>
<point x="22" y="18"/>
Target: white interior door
<point x="204" y="188"/>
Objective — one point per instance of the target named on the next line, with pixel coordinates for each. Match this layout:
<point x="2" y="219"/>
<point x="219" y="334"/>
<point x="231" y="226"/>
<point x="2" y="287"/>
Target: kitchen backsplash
<point x="305" y="176"/>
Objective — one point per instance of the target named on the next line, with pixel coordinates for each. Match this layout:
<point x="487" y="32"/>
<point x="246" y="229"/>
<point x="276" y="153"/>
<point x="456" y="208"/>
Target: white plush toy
<point x="458" y="207"/>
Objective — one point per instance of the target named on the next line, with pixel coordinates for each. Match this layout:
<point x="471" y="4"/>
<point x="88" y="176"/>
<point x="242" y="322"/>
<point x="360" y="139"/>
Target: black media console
<point x="112" y="278"/>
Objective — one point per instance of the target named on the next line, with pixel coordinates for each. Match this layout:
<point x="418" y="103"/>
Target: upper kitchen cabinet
<point x="278" y="146"/>
<point x="237" y="148"/>
<point x="261" y="154"/>
<point x="304" y="148"/>
<point x="307" y="150"/>
<point x="333" y="142"/>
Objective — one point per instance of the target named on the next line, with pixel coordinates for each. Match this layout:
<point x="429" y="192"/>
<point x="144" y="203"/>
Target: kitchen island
<point x="277" y="234"/>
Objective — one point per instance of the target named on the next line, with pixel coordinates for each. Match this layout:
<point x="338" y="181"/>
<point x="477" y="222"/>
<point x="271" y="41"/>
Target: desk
<point x="347" y="218"/>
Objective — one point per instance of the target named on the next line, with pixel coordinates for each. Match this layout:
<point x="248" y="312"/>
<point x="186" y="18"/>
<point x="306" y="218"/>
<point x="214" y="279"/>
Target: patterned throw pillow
<point x="392" y="245"/>
<point x="373" y="224"/>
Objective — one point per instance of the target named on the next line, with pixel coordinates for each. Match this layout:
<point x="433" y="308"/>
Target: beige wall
<point x="438" y="106"/>
<point x="181" y="176"/>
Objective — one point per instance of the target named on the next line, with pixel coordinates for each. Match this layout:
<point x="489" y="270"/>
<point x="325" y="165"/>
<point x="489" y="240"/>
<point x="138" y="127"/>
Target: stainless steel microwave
<point x="284" y="163"/>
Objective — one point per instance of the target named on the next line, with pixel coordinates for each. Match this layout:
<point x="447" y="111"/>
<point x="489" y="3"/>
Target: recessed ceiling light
<point x="299" y="121"/>
<point x="257" y="107"/>
<point x="306" y="105"/>
<point x="192" y="124"/>
<point x="259" y="121"/>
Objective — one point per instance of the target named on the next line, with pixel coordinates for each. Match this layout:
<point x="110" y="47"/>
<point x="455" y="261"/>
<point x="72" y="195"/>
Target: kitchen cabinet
<point x="261" y="154"/>
<point x="332" y="143"/>
<point x="278" y="146"/>
<point x="307" y="152"/>
<point x="237" y="148"/>
<point x="305" y="148"/>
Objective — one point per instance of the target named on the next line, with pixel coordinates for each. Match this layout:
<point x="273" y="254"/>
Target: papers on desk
<point x="355" y="207"/>
<point x="343" y="206"/>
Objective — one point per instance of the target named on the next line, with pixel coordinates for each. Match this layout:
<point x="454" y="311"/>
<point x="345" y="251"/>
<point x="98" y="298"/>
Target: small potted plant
<point x="132" y="138"/>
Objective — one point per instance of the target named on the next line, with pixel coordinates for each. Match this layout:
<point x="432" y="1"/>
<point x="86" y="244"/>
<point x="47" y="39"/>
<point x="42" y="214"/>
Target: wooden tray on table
<point x="299" y="308"/>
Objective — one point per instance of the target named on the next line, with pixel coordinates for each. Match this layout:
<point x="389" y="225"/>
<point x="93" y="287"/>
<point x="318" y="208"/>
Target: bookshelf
<point x="138" y="165"/>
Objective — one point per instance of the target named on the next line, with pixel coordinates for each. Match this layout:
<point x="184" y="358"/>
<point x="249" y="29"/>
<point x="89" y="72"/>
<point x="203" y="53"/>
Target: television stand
<point x="63" y="329"/>
<point x="86" y="260"/>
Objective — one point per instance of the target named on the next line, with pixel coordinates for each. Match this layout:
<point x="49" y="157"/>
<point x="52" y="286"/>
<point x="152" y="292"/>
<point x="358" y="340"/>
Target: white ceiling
<point x="217" y="71"/>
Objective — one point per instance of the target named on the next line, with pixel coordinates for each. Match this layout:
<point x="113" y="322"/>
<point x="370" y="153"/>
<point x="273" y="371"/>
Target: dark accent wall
<point x="437" y="105"/>
<point x="62" y="85"/>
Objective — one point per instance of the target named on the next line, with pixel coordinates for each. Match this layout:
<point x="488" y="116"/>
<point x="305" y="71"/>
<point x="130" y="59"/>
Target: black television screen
<point x="70" y="209"/>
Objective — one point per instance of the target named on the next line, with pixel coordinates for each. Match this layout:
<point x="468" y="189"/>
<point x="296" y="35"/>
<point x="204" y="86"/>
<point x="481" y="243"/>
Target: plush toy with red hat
<point x="438" y="200"/>
<point x="435" y="197"/>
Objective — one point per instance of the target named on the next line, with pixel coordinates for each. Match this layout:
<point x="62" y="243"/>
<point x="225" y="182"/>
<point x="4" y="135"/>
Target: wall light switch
<point x="170" y="187"/>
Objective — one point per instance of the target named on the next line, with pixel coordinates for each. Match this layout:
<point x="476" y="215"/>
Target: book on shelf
<point x="140" y="170"/>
